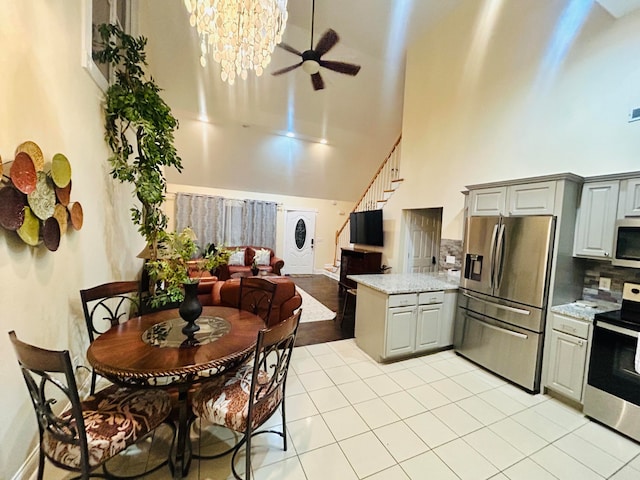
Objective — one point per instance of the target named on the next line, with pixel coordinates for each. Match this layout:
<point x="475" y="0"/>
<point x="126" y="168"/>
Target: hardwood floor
<point x="325" y="290"/>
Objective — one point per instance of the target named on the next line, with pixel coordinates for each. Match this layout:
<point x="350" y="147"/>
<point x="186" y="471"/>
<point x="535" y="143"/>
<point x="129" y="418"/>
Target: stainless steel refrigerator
<point x="503" y="297"/>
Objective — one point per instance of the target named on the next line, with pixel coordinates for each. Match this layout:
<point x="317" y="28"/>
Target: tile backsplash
<point x="595" y="269"/>
<point x="452" y="248"/>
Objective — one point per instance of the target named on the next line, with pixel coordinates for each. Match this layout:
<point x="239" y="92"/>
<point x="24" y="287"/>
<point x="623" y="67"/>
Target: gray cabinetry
<point x="568" y="356"/>
<point x="531" y="198"/>
<point x="488" y="201"/>
<point x="629" y="203"/>
<point x="596" y="219"/>
<point x="396" y="325"/>
<point x="536" y="198"/>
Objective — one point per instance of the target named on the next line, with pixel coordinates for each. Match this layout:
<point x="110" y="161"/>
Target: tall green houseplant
<point x="139" y="128"/>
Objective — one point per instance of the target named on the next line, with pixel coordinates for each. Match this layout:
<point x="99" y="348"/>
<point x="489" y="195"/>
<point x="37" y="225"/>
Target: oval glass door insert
<point x="300" y="234"/>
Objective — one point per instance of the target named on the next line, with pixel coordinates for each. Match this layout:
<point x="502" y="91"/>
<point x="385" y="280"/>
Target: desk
<point x="139" y="352"/>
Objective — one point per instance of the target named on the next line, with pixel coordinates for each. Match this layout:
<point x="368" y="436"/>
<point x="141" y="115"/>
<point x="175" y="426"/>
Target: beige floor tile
<point x="366" y="454"/>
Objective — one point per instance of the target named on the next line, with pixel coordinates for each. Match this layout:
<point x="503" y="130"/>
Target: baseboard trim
<point x="335" y="276"/>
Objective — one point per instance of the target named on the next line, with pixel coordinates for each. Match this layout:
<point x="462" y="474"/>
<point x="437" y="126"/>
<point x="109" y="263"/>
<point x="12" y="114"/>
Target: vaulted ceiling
<point x="359" y="116"/>
<point x="230" y="129"/>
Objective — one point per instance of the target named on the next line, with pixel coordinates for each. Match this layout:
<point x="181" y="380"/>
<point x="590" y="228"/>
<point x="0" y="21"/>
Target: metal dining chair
<point x="107" y="305"/>
<point x="245" y="398"/>
<point x="87" y="433"/>
<point x="256" y="296"/>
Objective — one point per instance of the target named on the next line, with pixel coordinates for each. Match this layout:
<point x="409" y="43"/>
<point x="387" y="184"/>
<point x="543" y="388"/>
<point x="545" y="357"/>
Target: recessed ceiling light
<point x="323" y="141"/>
<point x="290" y="134"/>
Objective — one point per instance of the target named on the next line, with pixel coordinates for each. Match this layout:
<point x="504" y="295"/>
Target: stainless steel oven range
<point x="612" y="394"/>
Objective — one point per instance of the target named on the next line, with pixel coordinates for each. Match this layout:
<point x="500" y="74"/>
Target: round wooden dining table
<point x="150" y="351"/>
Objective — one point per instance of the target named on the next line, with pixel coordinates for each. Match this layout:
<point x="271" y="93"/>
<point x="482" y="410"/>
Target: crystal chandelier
<point x="241" y="34"/>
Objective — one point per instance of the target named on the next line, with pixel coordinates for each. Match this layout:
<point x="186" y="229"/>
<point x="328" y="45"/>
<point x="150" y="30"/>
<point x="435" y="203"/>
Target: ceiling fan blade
<point x="341" y="67"/>
<point x="326" y="42"/>
<point x="289" y="48"/>
<point x="286" y="69"/>
<point x="316" y="80"/>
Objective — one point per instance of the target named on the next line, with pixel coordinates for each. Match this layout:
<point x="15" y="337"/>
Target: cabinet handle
<point x="606" y="254"/>
<point x="568" y="328"/>
<point x="580" y="343"/>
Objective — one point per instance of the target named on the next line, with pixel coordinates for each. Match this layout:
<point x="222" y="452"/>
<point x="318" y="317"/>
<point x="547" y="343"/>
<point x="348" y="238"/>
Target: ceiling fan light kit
<point x="311" y="60"/>
<point x="240" y="35"/>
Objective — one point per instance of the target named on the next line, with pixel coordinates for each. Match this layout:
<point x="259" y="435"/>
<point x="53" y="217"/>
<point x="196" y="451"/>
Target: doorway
<point x="299" y="255"/>
<point x="422" y="239"/>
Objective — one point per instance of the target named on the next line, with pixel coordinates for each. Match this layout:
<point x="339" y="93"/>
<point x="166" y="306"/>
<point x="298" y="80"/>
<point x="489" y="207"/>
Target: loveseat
<point x="272" y="265"/>
<point x="227" y="293"/>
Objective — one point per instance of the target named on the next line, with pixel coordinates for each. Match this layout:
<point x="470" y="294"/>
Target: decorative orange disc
<point x="23" y="173"/>
<point x="75" y="212"/>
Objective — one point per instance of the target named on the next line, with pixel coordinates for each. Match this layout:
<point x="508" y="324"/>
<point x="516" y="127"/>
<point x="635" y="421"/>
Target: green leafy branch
<point x="133" y="107"/>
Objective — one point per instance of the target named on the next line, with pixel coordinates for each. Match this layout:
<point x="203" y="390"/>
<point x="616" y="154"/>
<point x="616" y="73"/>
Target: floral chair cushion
<point x="114" y="418"/>
<point x="225" y="400"/>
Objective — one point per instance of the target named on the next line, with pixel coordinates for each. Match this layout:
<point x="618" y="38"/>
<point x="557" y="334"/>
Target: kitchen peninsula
<point x="404" y="314"/>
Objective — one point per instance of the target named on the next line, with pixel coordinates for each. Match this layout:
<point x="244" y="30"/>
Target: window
<point x="96" y="12"/>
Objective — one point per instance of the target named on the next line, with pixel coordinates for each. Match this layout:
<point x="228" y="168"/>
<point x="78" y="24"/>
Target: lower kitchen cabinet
<point x="393" y="326"/>
<point x="428" y="325"/>
<point x="568" y="356"/>
<point x="401" y="329"/>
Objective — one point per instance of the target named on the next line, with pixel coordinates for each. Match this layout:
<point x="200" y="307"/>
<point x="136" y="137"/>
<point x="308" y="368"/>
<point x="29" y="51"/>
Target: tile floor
<point x="436" y="417"/>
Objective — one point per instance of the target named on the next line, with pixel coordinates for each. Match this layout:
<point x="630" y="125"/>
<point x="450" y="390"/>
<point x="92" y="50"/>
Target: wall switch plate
<point x="450" y="259"/>
<point x="604" y="284"/>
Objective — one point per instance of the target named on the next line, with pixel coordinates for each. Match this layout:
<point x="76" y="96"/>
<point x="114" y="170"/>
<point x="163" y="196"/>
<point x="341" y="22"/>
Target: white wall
<point x="47" y="97"/>
<point x="331" y="215"/>
<point x="484" y="105"/>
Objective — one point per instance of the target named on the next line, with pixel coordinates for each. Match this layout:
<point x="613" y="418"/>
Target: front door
<point x="300" y="228"/>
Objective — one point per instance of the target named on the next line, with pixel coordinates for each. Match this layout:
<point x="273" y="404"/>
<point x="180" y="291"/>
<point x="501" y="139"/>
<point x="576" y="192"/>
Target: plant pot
<point x="255" y="271"/>
<point x="190" y="308"/>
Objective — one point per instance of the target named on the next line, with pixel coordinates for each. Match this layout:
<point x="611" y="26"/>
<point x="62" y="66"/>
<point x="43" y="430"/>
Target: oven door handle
<point x="617" y="329"/>
<point x="521" y="311"/>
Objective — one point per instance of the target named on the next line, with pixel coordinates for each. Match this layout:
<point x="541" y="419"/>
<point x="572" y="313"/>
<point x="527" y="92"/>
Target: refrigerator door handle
<point x="504" y="330"/>
<point x="521" y="311"/>
<point x="492" y="254"/>
<point x="500" y="256"/>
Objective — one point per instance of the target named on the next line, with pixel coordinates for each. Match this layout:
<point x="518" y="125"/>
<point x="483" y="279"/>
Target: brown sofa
<point x="286" y="300"/>
<point x="275" y="264"/>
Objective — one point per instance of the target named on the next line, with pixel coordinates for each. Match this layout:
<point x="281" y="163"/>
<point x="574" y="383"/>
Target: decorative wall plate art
<point x="29" y="231"/>
<point x="12" y="203"/>
<point x="60" y="170"/>
<point x="64" y="194"/>
<point x="33" y="150"/>
<point x="61" y="214"/>
<point x="76" y="214"/>
<point x="35" y="197"/>
<point x="51" y="234"/>
<point x="43" y="199"/>
<point x="23" y="173"/>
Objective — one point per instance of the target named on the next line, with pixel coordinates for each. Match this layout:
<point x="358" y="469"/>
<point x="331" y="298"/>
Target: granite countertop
<point x="582" y="312"/>
<point x="392" y="283"/>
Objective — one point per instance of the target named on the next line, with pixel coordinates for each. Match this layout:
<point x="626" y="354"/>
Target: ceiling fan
<point x="312" y="61"/>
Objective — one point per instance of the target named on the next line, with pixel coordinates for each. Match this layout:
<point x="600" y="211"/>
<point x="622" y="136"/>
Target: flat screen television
<point x="366" y="228"/>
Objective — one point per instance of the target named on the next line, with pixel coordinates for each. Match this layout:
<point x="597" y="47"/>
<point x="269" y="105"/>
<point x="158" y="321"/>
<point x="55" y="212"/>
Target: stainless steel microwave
<point x="626" y="243"/>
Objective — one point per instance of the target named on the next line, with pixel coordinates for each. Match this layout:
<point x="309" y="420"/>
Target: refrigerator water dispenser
<point x="473" y="266"/>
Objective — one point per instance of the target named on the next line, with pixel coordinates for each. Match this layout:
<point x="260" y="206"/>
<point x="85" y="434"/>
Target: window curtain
<point x="226" y="221"/>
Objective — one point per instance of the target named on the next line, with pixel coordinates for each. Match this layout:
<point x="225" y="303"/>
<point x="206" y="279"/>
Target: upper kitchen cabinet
<point x="531" y="198"/>
<point x="629" y="202"/>
<point x="519" y="197"/>
<point x="596" y="219"/>
<point x="488" y="201"/>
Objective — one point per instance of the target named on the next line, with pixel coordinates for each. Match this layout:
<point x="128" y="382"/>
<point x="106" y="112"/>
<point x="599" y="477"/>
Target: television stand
<point x="354" y="261"/>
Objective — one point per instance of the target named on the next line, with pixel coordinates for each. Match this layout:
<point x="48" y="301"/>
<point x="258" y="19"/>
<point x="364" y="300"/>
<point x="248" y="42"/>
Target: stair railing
<point x="375" y="195"/>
